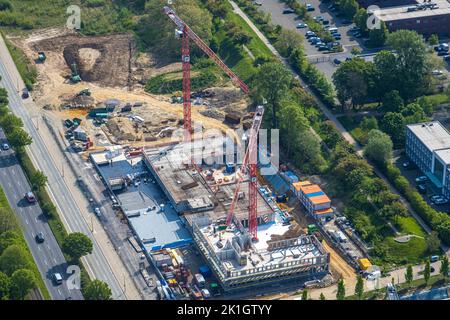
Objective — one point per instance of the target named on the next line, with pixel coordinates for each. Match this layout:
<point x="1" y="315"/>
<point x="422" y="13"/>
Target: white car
<point x="436" y="72"/>
<point x="5" y="146"/>
<point x="97" y="211"/>
<point x="302" y="25"/>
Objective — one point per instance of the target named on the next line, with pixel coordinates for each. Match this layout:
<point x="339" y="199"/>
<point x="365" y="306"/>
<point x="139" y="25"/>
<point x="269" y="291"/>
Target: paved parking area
<point x="323" y="60"/>
<point x="412" y="174"/>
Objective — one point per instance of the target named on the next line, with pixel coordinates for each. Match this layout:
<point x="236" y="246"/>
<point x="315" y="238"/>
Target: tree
<point x="411" y="63"/>
<point x="433" y="242"/>
<point x="38" y="180"/>
<point x="340" y="294"/>
<point x="305" y="295"/>
<point x="292" y="123"/>
<point x="392" y="101"/>
<point x="369" y="123"/>
<point x="444" y="268"/>
<point x="19" y="138"/>
<point x="13" y="258"/>
<point x="22" y="281"/>
<point x="10" y="121"/>
<point x="287" y="41"/>
<point x="427" y="272"/>
<point x="5" y="285"/>
<point x="77" y="245"/>
<point x="272" y="83"/>
<point x="7" y="221"/>
<point x="394" y="210"/>
<point x="355" y="51"/>
<point x="322" y="297"/>
<point x="307" y="152"/>
<point x="241" y="38"/>
<point x="433" y="40"/>
<point x="359" y="287"/>
<point x="378" y="36"/>
<point x="379" y="147"/>
<point x="393" y="123"/>
<point x="409" y="275"/>
<point x="353" y="81"/>
<point x="97" y="290"/>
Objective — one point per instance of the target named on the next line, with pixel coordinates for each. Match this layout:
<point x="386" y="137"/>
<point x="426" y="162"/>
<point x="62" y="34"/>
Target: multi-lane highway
<point x="48" y="255"/>
<point x="96" y="263"/>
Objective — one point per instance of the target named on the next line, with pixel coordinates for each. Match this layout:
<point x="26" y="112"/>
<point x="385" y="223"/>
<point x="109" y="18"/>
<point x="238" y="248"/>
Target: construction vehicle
<point x="84" y="92"/>
<point x="75" y="77"/>
<point x="313" y="230"/>
<point x="41" y="56"/>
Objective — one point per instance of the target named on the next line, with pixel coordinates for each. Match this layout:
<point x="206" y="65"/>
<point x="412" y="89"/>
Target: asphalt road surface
<point x="48" y="255"/>
<point x="96" y="263"/>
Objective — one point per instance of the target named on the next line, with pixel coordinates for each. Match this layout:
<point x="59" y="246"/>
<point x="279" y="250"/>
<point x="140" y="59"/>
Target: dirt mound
<point x="105" y="60"/>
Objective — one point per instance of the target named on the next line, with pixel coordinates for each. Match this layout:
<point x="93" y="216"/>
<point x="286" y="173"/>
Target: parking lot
<point x="411" y="173"/>
<point x="323" y="59"/>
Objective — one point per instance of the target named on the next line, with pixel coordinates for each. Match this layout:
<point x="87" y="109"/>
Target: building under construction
<point x="202" y="194"/>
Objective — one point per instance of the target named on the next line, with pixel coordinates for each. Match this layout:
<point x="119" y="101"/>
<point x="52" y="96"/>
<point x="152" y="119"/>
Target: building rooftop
<point x="433" y="134"/>
<point x="320" y="199"/>
<point x="298" y="185"/>
<point x="444" y="155"/>
<point x="313" y="188"/>
<point x="155" y="222"/>
<point x="401" y="13"/>
<point x="213" y="186"/>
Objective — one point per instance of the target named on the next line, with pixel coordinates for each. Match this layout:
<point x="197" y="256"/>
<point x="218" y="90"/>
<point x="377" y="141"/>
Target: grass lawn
<point x="439" y="98"/>
<point x="4" y="204"/>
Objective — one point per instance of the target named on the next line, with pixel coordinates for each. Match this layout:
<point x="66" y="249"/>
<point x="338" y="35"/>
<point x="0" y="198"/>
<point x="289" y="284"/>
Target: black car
<point x="40" y="237"/>
<point x="25" y="93"/>
<point x="442" y="53"/>
<point x="422" y="188"/>
<point x="288" y="10"/>
<point x="346" y="21"/>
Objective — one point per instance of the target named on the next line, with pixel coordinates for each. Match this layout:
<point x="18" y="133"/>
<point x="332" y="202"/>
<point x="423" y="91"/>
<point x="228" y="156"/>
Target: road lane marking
<point x="54" y="260"/>
<point x="39" y="248"/>
<point x="26" y="221"/>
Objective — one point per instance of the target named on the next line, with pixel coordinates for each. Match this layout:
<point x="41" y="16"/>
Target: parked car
<point x="337" y="61"/>
<point x="302" y="25"/>
<point x="422" y="188"/>
<point x="346" y="21"/>
<point x="288" y="11"/>
<point x="318" y="18"/>
<point x="437" y="72"/>
<point x="5" y="146"/>
<point x="446" y="57"/>
<point x="97" y="211"/>
<point x="442" y="53"/>
<point x="421" y="179"/>
<point x="257" y="3"/>
<point x="68" y="123"/>
<point x="310" y="7"/>
<point x="325" y="22"/>
<point x="440" y="201"/>
<point x="434" y="258"/>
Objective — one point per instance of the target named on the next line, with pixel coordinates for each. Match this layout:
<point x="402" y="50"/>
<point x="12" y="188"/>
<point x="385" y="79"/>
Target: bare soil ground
<point x="112" y="69"/>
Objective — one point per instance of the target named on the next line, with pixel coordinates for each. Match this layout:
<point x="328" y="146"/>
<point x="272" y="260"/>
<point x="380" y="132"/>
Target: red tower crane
<point x="184" y="31"/>
<point x="250" y="158"/>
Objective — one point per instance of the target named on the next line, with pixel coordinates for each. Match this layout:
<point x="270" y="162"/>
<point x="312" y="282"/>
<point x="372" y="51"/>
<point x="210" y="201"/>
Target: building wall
<point x="418" y="153"/>
<point x="439" y="24"/>
<point x="386" y="3"/>
<point x="446" y="188"/>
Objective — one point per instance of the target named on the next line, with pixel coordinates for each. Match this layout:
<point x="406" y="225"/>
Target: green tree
<point x="19" y="138"/>
<point x="287" y="41"/>
<point x="22" y="281"/>
<point x="322" y="297"/>
<point x="433" y="40"/>
<point x="9" y="122"/>
<point x="5" y="285"/>
<point x="340" y="294"/>
<point x="272" y="83"/>
<point x="427" y="272"/>
<point x="359" y="288"/>
<point x="411" y="63"/>
<point x="392" y="101"/>
<point x="76" y="245"/>
<point x="305" y="295"/>
<point x="409" y="275"/>
<point x="433" y="242"/>
<point x="393" y="123"/>
<point x="38" y="180"/>
<point x="97" y="290"/>
<point x="292" y="124"/>
<point x="379" y="147"/>
<point x="13" y="258"/>
<point x="369" y="123"/>
<point x="7" y="221"/>
<point x="444" y="268"/>
<point x="378" y="36"/>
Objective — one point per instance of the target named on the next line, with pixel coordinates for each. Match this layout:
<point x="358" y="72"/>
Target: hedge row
<point x="438" y="221"/>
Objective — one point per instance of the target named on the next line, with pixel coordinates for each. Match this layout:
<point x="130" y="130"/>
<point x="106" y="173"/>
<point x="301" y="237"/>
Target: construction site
<point x="201" y="212"/>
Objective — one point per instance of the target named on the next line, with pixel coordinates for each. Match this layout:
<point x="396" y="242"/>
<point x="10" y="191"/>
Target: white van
<point x="57" y="278"/>
<point x="373" y="275"/>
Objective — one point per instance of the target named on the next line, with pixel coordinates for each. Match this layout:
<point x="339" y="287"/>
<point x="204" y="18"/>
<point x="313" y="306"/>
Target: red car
<point x="30" y="197"/>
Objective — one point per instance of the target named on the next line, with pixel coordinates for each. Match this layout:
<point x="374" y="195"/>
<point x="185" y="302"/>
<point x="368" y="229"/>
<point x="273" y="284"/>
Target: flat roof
<point x="154" y="227"/>
<point x="175" y="176"/>
<point x="298" y="185"/>
<point x="319" y="199"/>
<point x="310" y="189"/>
<point x="444" y="155"/>
<point x="432" y="134"/>
<point x="401" y="13"/>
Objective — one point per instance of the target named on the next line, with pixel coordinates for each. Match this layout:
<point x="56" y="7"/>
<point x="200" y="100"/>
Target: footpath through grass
<point x="6" y="209"/>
